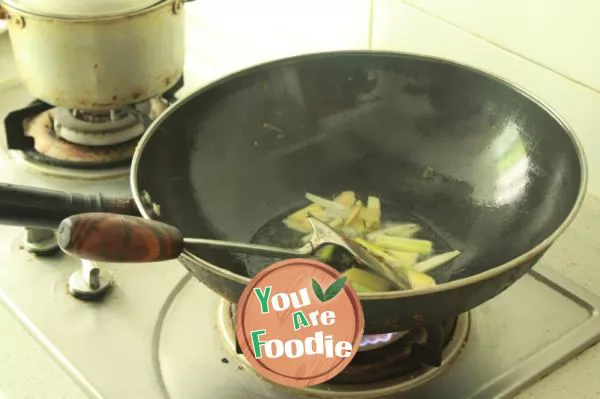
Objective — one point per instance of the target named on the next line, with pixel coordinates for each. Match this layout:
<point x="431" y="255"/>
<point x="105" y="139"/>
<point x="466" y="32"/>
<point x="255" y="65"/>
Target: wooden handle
<point x="106" y="237"/>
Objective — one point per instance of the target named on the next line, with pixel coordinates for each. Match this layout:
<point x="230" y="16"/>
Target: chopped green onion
<point x="400" y="230"/>
<point x="346" y="198"/>
<point x="354" y="214"/>
<point x="297" y="226"/>
<point x="435" y="261"/>
<point x="405" y="244"/>
<point x="405" y="259"/>
<point x="368" y="280"/>
<point x="420" y="280"/>
<point x="372" y="213"/>
<point x="360" y="288"/>
<point x="378" y="252"/>
<point x="334" y="207"/>
<point x="325" y="254"/>
<point x="396" y="274"/>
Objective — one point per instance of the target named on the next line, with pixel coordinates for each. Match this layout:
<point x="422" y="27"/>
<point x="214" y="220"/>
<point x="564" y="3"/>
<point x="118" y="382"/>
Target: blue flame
<point x="376" y="339"/>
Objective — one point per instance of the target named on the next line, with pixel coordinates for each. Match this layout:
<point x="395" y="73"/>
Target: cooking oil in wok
<point x="276" y="233"/>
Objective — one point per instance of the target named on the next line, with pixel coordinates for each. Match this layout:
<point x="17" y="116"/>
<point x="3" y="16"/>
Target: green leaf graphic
<point x="317" y="290"/>
<point x="334" y="289"/>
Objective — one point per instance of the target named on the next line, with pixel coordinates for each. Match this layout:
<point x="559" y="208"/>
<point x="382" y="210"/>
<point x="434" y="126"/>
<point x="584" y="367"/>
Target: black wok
<point x="495" y="173"/>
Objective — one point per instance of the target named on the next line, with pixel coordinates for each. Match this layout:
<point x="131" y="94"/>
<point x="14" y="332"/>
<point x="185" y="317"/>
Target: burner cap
<point x="97" y="129"/>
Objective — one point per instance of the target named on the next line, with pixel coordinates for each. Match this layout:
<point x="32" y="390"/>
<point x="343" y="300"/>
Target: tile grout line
<point x="573" y="80"/>
<point x="371" y="18"/>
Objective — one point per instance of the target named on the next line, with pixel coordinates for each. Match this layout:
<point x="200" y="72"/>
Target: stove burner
<point x="79" y="141"/>
<point x="73" y="143"/>
<point x="100" y="129"/>
<point x="405" y="355"/>
<point x="70" y="143"/>
<point x="386" y="364"/>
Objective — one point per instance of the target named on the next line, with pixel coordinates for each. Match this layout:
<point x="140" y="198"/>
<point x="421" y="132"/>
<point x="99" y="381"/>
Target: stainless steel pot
<point x="95" y="55"/>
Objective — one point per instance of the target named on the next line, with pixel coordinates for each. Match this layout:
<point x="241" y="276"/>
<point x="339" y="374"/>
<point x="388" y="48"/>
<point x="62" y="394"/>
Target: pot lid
<point x="79" y="8"/>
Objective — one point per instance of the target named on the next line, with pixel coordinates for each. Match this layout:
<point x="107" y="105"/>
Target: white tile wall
<point x="8" y="72"/>
<point x="228" y="35"/>
<point x="400" y="27"/>
<point x="560" y="34"/>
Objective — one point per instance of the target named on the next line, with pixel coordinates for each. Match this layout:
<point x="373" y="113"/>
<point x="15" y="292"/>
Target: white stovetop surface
<point x="232" y="34"/>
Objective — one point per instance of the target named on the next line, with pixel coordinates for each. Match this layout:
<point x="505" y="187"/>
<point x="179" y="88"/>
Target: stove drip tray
<point x="513" y="341"/>
<point x="385" y="364"/>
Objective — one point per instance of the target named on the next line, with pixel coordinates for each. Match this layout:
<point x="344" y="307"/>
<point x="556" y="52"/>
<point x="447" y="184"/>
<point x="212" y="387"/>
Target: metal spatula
<point x="108" y="237"/>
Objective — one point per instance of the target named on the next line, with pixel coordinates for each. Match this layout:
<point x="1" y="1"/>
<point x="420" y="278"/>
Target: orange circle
<point x="312" y="354"/>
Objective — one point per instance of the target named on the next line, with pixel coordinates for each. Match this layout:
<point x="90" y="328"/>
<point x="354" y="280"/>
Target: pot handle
<point x="40" y="208"/>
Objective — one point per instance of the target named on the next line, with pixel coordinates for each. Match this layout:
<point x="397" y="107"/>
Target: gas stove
<point x="155" y="332"/>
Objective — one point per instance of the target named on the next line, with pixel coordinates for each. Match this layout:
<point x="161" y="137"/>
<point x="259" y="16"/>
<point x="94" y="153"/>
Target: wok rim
<point x="454" y="284"/>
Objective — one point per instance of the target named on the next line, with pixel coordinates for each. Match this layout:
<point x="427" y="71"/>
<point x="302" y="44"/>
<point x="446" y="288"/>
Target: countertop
<point x="26" y="371"/>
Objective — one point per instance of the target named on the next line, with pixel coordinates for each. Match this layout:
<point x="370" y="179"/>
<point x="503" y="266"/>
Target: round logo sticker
<point x="298" y="323"/>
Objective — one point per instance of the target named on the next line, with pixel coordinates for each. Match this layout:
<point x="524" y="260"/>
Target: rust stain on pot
<point x="137" y="93"/>
<point x="19" y="21"/>
<point x="102" y="104"/>
<point x="172" y="77"/>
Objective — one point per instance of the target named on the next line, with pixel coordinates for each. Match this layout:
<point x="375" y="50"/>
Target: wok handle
<point x="105" y="237"/>
<point x="40" y="208"/>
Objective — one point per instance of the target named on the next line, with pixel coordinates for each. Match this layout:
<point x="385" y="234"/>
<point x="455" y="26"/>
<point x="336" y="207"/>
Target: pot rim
<point x="80" y="9"/>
